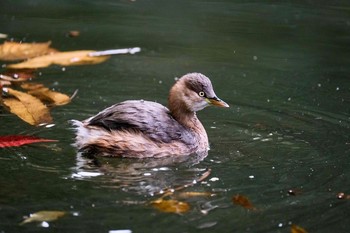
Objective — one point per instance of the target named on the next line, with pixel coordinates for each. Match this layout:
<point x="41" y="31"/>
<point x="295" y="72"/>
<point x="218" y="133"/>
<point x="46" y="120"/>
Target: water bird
<point x="144" y="129"/>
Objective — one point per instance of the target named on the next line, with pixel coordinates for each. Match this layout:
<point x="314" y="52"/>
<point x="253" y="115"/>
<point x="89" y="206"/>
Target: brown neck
<point x="182" y="114"/>
<point x="179" y="110"/>
<point x="185" y="116"/>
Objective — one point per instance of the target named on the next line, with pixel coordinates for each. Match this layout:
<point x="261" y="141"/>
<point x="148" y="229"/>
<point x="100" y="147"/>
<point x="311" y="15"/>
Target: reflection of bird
<point x="140" y="129"/>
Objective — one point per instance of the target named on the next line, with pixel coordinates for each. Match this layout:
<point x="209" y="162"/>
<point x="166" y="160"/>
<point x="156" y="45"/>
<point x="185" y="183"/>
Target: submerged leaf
<point x="45" y="94"/>
<point x="243" y="201"/>
<point x="171" y="206"/>
<point x="42" y="216"/>
<point x="297" y="229"/>
<point x="61" y="58"/>
<point x="10" y="51"/>
<point x="20" y="140"/>
<point x="185" y="195"/>
<point x="27" y="107"/>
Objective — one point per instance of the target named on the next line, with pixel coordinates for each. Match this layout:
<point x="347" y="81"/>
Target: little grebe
<point x="140" y="129"/>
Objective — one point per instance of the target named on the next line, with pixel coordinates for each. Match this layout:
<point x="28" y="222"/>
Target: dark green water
<point x="282" y="66"/>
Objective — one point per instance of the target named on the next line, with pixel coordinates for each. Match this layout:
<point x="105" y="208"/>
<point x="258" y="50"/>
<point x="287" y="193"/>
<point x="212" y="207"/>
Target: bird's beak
<point x="217" y="102"/>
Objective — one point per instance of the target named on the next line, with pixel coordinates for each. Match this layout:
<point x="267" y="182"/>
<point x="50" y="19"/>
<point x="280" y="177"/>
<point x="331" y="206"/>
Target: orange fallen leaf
<point x="171" y="206"/>
<point x="10" y="51"/>
<point x="243" y="201"/>
<point x="83" y="57"/>
<point x="27" y="107"/>
<point x="297" y="229"/>
<point x="45" y="94"/>
<point x="20" y="140"/>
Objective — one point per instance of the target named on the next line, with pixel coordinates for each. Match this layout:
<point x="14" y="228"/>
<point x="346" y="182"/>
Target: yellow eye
<point x="201" y="94"/>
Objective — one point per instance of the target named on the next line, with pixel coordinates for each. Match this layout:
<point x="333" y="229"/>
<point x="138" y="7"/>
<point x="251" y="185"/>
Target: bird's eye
<point x="201" y="94"/>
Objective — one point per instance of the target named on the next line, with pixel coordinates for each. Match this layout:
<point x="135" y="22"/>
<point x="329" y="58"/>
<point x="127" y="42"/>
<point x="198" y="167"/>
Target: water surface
<point x="282" y="67"/>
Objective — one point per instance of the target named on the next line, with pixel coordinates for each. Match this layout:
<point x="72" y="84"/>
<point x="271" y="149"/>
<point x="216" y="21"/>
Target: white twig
<point x="115" y="52"/>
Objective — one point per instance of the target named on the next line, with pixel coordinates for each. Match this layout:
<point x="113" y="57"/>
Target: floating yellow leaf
<point x="171" y="206"/>
<point x="297" y="229"/>
<point x="44" y="216"/>
<point x="83" y="57"/>
<point x="27" y="107"/>
<point x="61" y="58"/>
<point x="243" y="201"/>
<point x="17" y="107"/>
<point x="10" y="51"/>
<point x="44" y="93"/>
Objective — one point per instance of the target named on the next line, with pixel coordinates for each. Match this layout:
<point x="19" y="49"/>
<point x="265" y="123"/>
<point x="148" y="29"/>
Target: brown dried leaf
<point x="29" y="108"/>
<point x="45" y="94"/>
<point x="61" y="58"/>
<point x="297" y="229"/>
<point x="42" y="216"/>
<point x="243" y="201"/>
<point x="171" y="206"/>
<point x="10" y="51"/>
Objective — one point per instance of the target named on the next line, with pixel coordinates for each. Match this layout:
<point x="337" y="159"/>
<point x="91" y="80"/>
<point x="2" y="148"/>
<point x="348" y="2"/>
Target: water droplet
<point x="120" y="231"/>
<point x="255" y="58"/>
<point x="45" y="224"/>
<point x="75" y="214"/>
<point x="49" y="125"/>
<point x="213" y="179"/>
